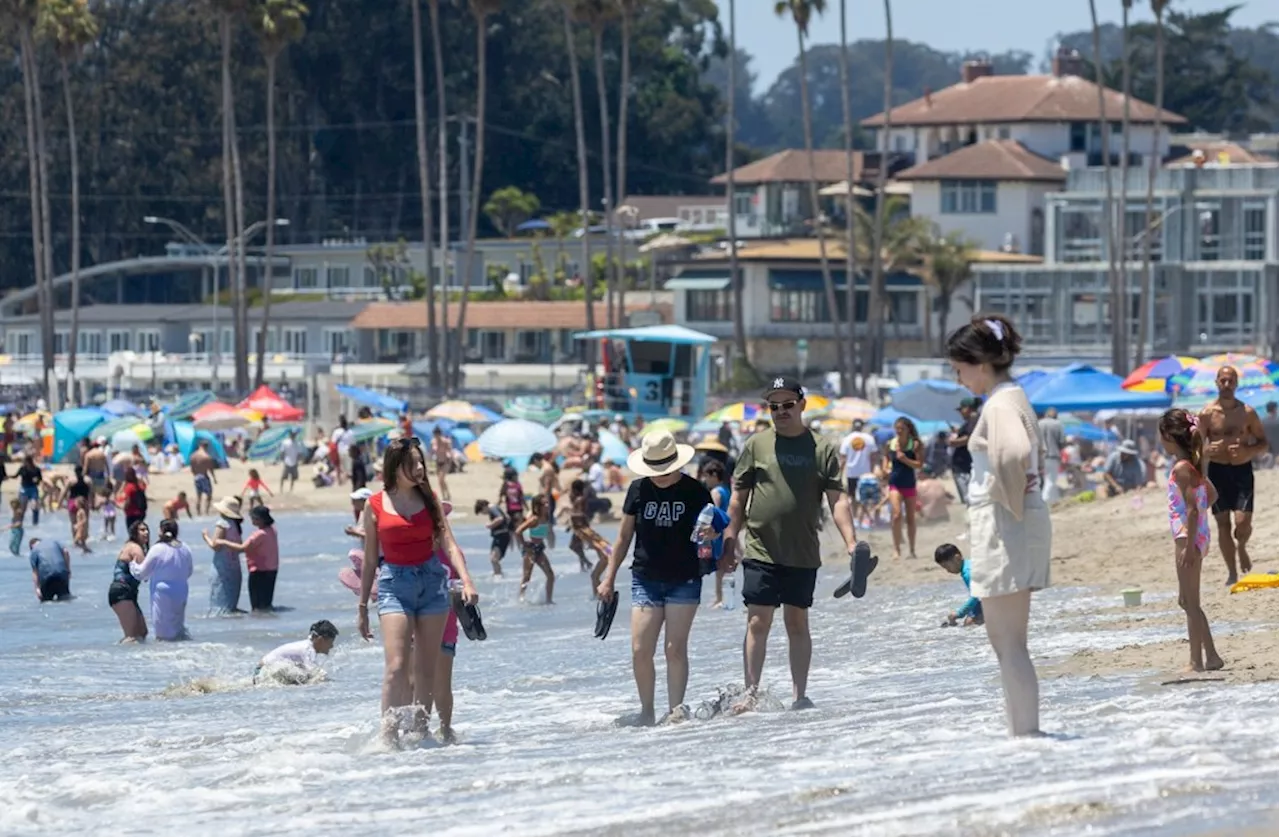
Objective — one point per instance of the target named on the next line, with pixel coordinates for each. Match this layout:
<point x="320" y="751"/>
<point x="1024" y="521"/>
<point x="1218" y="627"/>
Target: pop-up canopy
<point x="267" y="403"/>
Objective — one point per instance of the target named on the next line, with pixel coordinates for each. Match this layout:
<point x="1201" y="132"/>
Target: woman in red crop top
<point x="405" y="527"/>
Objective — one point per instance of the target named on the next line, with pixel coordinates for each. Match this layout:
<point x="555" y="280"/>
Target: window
<point x="707" y="306"/>
<point x="305" y="277"/>
<point x="90" y="343"/>
<point x="1137" y="230"/>
<point x="1079" y="136"/>
<point x="21" y="343"/>
<point x="1209" y="228"/>
<point x="148" y="339"/>
<point x="742" y="203"/>
<point x="495" y="345"/>
<point x="904" y="307"/>
<point x="1081" y="239"/>
<point x="295" y="340"/>
<point x="371" y="278"/>
<point x="1224" y="306"/>
<point x="968" y="197"/>
<point x="61" y="340"/>
<point x="529" y="344"/>
<point x="337" y="342"/>
<point x="1003" y="132"/>
<point x="118" y="340"/>
<point x="797" y="306"/>
<point x="1255" y="232"/>
<point x="338" y="277"/>
<point x="205" y="344"/>
<point x="228" y="342"/>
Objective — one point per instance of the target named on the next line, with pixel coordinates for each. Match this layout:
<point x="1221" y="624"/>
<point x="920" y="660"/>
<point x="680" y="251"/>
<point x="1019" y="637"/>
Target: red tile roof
<point x="996" y="99"/>
<point x="792" y="166"/>
<point x="998" y="159"/>
<point x="1235" y="153"/>
<point x="497" y="315"/>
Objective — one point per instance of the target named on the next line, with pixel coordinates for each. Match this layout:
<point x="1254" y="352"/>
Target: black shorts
<point x="500" y="543"/>
<point x="55" y="588"/>
<point x="1235" y="487"/>
<point x="771" y="585"/>
<point x="121" y="591"/>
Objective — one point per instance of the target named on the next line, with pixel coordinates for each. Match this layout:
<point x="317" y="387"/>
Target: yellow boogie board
<point x="1256" y="581"/>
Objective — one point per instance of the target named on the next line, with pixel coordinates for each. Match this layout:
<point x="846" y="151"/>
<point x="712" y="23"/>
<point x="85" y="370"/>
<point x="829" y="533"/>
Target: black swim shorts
<point x="1234" y="484"/>
<point x="121" y="591"/>
<point x="772" y="585"/>
<point x="500" y="543"/>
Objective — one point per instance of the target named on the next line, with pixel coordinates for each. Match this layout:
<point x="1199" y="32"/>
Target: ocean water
<point x="908" y="737"/>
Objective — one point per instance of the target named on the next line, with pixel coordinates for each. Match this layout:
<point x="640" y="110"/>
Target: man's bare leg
<point x="799" y="649"/>
<point x="1244" y="529"/>
<point x="754" y="646"/>
<point x="1227" y="543"/>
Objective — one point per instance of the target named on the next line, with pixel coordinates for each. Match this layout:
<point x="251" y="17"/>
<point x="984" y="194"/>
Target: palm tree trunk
<point x="260" y="368"/>
<point x="623" y="96"/>
<point x="850" y="267"/>
<point x="876" y="297"/>
<point x="242" y="315"/>
<point x="1122" y="211"/>
<point x="1119" y="311"/>
<point x="46" y="214"/>
<point x="442" y="150"/>
<point x="584" y="188"/>
<point x="1153" y="166"/>
<point x="43" y="282"/>
<point x="239" y="344"/>
<point x="477" y="179"/>
<point x="73" y="151"/>
<point x="597" y="34"/>
<point x="730" y="132"/>
<point x="828" y="285"/>
<point x="424" y="194"/>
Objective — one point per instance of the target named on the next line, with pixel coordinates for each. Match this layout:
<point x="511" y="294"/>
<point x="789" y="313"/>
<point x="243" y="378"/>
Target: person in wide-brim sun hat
<point x="659" y="454"/>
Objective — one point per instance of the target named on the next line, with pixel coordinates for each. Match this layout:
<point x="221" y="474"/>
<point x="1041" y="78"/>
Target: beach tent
<point x="265" y="402"/>
<point x="1080" y="388"/>
<point x="460" y="434"/>
<point x="186" y="437"/>
<point x="374" y="400"/>
<point x="70" y="426"/>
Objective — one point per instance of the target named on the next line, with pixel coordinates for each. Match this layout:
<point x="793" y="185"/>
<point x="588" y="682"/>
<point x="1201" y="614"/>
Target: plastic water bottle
<point x="731" y="591"/>
<point x="706" y="563"/>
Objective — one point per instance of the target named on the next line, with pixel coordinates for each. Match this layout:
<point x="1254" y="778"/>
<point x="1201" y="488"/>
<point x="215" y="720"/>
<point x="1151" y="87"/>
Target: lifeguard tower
<point x="653" y="371"/>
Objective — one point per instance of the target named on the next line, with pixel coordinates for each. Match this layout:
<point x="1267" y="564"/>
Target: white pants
<point x="1049" y="491"/>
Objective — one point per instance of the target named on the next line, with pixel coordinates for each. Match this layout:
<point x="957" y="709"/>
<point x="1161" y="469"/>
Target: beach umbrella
<point x="532" y="409"/>
<point x="459" y="433"/>
<point x="612" y="447"/>
<point x="670" y="425"/>
<point x="516" y="438"/>
<point x="369" y="398"/>
<point x="120" y="407"/>
<point x="125" y="440"/>
<point x="1200" y="378"/>
<point x="112" y="426"/>
<point x="1077" y="428"/>
<point x="457" y="411"/>
<point x="1082" y="388"/>
<point x="27" y="423"/>
<point x="189" y="402"/>
<point x="473" y="453"/>
<point x="370" y="429"/>
<point x="70" y="426"/>
<point x="1153" y="375"/>
<point x="739" y="411"/>
<point x="930" y="400"/>
<point x="851" y="410"/>
<point x="886" y="416"/>
<point x="1256" y="398"/>
<point x="218" y="416"/>
<point x="265" y="402"/>
<point x="267" y="445"/>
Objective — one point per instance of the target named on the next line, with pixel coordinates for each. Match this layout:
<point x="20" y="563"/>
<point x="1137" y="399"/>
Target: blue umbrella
<point x="930" y="400"/>
<point x="189" y="403"/>
<point x="267" y="445"/>
<point x="1078" y="428"/>
<point x="516" y="438"/>
<point x="369" y="398"/>
<point x="1081" y="388"/>
<point x="534" y="225"/>
<point x="611" y="447"/>
<point x="120" y="407"/>
<point x="886" y="416"/>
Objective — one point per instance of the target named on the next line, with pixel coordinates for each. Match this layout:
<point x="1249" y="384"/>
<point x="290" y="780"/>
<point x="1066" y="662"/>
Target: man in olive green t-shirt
<point x="782" y="476"/>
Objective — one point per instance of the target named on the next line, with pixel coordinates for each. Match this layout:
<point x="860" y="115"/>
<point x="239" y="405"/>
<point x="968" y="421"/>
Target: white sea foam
<point x="907" y="738"/>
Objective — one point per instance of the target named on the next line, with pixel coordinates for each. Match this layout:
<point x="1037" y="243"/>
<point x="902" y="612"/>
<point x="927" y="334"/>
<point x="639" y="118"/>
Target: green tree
<point x="70" y="26"/>
<point x="481" y="10"/>
<point x="948" y="261"/>
<point x="801" y="12"/>
<point x="509" y="207"/>
<point x="278" y="23"/>
<point x="563" y="225"/>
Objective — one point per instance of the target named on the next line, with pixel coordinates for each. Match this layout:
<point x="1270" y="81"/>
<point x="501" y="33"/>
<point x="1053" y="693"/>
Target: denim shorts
<point x="650" y="593"/>
<point x="417" y="590"/>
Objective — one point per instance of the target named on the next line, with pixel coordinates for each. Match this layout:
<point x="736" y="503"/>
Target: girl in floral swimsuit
<point x="1190" y="496"/>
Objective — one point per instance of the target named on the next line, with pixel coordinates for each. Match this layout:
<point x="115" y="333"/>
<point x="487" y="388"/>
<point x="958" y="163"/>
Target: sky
<point x="951" y="25"/>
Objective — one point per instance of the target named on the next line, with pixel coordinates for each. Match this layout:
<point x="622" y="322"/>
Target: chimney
<point x="1067" y="62"/>
<point x="974" y="69"/>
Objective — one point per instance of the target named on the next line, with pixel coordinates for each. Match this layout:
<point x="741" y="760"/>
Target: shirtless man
<point x="549" y="487"/>
<point x="1235" y="436"/>
<point x="94" y="461"/>
<point x="202" y="469"/>
<point x="177" y="505"/>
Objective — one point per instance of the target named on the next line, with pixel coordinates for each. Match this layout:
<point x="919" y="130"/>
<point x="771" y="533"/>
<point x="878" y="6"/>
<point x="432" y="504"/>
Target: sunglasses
<point x="776" y="406"/>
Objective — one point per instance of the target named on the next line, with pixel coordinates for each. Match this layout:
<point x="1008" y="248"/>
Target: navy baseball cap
<point x="784" y="384"/>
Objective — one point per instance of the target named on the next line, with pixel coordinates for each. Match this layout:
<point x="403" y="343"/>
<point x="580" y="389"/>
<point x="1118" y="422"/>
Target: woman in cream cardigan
<point x="1010" y="534"/>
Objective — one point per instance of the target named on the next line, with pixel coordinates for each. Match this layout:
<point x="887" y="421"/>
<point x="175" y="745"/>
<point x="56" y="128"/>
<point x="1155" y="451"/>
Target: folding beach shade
<point x="70" y="426"/>
<point x="268" y="404"/>
<point x="374" y="400"/>
<point x="1080" y="388"/>
<point x="186" y="437"/>
<point x="930" y="400"/>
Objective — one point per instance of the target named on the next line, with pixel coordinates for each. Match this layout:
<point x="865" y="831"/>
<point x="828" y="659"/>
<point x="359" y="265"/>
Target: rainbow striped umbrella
<point x="1153" y="375"/>
<point x="740" y="411"/>
<point x="1201" y="377"/>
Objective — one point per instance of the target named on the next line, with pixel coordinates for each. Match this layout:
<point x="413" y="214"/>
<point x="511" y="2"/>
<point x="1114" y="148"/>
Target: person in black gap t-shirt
<point x="660" y="513"/>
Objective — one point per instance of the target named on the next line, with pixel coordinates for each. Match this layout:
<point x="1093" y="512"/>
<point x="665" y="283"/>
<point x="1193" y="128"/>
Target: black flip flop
<point x="861" y="564"/>
<point x="605" y="612"/>
<point x="469" y="620"/>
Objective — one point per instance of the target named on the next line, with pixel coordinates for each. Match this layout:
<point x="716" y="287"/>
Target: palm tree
<point x="628" y="9"/>
<point x="71" y="26"/>
<point x="424" y="194"/>
<point x="1153" y="165"/>
<point x="801" y="12"/>
<point x="850" y="272"/>
<point x="730" y="159"/>
<point x="23" y="15"/>
<point x="442" y="163"/>
<point x="480" y="10"/>
<point x="278" y="24"/>
<point x="876" y="297"/>
<point x="569" y="7"/>
<point x="949" y="261"/>
<point x="1122" y="211"/>
<point x="562" y="226"/>
<point x="598" y="13"/>
<point x="1119" y="311"/>
<point x="903" y="241"/>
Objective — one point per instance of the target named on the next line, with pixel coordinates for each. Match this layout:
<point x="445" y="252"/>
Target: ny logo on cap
<point x="777" y="383"/>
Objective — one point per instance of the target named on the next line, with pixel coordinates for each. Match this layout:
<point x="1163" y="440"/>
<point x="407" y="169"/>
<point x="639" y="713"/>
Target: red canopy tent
<point x="266" y="402"/>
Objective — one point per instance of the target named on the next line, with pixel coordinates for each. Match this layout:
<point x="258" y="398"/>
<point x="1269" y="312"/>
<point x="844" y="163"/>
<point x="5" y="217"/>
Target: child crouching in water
<point x="294" y="663"/>
<point x="949" y="558"/>
<point x="1190" y="497"/>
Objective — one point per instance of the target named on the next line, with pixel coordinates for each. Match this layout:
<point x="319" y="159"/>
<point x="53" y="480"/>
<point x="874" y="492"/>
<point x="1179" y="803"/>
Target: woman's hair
<point x="261" y="516"/>
<point x="137" y="526"/>
<point x="168" y="531"/>
<point x="481" y="505"/>
<point x="399" y="452"/>
<point x="253" y="474"/>
<point x="987" y="338"/>
<point x="714" y="469"/>
<point x="1181" y="428"/>
<point x="913" y="435"/>
<point x="130" y="475"/>
<point x="537" y="505"/>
